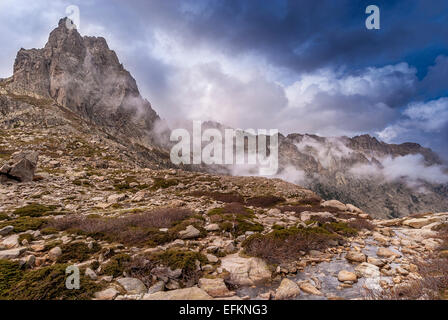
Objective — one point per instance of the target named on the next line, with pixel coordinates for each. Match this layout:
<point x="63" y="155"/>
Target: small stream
<point x="327" y="274"/>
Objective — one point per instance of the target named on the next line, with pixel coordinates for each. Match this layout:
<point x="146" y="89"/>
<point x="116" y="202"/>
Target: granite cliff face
<point x="386" y="180"/>
<point x="85" y="76"/>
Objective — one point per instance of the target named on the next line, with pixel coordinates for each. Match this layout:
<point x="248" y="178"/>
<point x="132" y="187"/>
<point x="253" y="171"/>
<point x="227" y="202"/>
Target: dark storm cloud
<point x="306" y="35"/>
<point x="293" y="65"/>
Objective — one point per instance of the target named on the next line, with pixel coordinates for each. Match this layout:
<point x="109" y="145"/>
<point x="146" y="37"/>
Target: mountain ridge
<point x="82" y="75"/>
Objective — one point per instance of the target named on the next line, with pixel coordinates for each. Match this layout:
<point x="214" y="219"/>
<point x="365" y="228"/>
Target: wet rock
<point x="386" y="253"/>
<point x="288" y="289"/>
<point x="367" y="270"/>
<point x="354" y="256"/>
<point x="376" y="262"/>
<point x="345" y="275"/>
<point x="380" y="238"/>
<point x="309" y="288"/>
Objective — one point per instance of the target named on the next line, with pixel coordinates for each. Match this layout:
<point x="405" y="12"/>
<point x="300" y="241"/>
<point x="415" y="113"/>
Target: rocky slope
<point x="138" y="233"/>
<point x="84" y="76"/>
<point x="383" y="179"/>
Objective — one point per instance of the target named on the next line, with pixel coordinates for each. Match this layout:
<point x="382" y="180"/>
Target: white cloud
<point x="423" y="117"/>
<point x="410" y="169"/>
<point x="332" y="150"/>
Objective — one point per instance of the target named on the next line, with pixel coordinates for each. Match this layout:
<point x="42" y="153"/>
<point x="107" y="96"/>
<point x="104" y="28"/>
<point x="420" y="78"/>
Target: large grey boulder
<point x="21" y="167"/>
<point x="132" y="285"/>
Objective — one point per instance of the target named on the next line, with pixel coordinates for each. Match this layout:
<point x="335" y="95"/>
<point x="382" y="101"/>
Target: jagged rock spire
<point x="84" y="75"/>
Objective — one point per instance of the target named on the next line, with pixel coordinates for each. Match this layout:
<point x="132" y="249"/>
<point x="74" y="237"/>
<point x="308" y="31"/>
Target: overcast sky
<point x="297" y="66"/>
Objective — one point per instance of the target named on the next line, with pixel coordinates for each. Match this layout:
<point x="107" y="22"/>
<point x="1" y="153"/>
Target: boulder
<point x="212" y="227"/>
<point x="132" y="285"/>
<point x="354" y="256"/>
<point x="21" y="167"/>
<point x="157" y="287"/>
<point x="6" y="230"/>
<point x="309" y="288"/>
<point x="419" y="222"/>
<point x="54" y="253"/>
<point x="288" y="289"/>
<point x="189" y="233"/>
<point x="376" y="262"/>
<point x="335" y="204"/>
<point x="305" y="216"/>
<point x="114" y="198"/>
<point x="193" y="293"/>
<point x="381" y="238"/>
<point x="11" y="253"/>
<point x="11" y="241"/>
<point x="367" y="270"/>
<point x="386" y="253"/>
<point x="345" y="275"/>
<point x="353" y="209"/>
<point x="215" y="287"/>
<point x="245" y="271"/>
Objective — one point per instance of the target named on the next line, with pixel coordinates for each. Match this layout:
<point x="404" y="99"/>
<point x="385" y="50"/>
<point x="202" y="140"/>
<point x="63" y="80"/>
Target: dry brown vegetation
<point x="264" y="201"/>
<point x="298" y="209"/>
<point x="360" y="224"/>
<point x="219" y="196"/>
<point x="433" y="271"/>
<point x="135" y="229"/>
<point x="286" y="245"/>
<point x="432" y="286"/>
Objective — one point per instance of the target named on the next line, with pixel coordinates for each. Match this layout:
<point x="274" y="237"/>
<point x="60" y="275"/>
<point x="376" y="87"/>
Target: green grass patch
<point x="48" y="283"/>
<point x="77" y="252"/>
<point x="23" y="224"/>
<point x="10" y="274"/>
<point x="34" y="210"/>
<point x="116" y="265"/>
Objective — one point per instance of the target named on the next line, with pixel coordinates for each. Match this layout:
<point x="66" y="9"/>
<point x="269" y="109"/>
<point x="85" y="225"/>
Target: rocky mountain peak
<point x="85" y="76"/>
